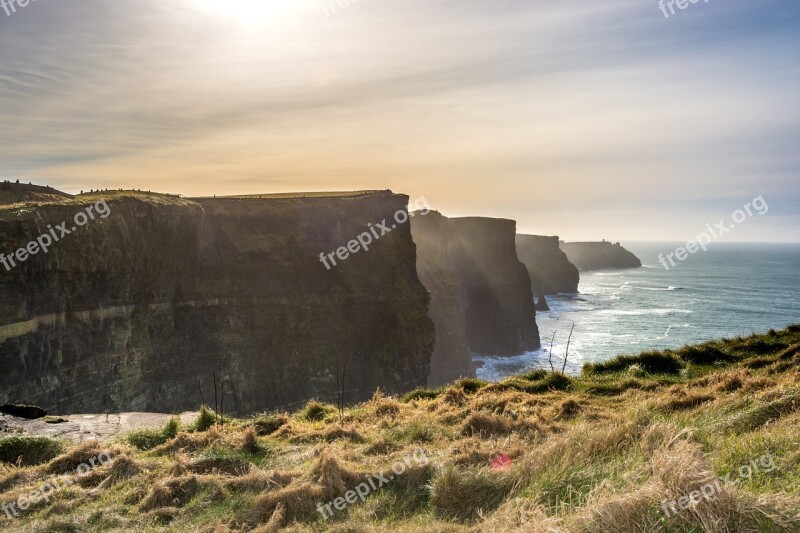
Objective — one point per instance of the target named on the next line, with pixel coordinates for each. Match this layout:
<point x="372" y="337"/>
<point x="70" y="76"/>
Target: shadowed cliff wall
<point x="135" y="312"/>
<point x="548" y="267"/>
<point x="481" y="300"/>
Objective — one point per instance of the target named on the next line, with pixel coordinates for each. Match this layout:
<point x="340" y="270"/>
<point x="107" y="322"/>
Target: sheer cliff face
<point x="136" y="311"/>
<point x="599" y="255"/>
<point x="481" y="300"/>
<point x="549" y="269"/>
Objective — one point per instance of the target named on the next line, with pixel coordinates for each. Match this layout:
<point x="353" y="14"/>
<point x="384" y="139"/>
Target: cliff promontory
<point x="599" y="255"/>
<point x="549" y="269"/>
<point x="481" y="298"/>
<point x="137" y="310"/>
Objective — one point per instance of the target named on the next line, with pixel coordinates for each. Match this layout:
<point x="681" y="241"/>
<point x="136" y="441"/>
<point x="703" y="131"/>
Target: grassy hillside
<point x="714" y="428"/>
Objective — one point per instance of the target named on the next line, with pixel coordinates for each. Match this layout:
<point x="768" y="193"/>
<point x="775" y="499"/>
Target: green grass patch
<point x="551" y="381"/>
<point x="470" y="385"/>
<point x="652" y="362"/>
<point x="421" y="394"/>
<point x="417" y="430"/>
<point x="704" y="354"/>
<point x="147" y="439"/>
<point x="315" y="411"/>
<point x="27" y="450"/>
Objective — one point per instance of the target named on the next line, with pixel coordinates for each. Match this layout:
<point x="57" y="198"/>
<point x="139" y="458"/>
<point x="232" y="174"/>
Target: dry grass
<point x="174" y="492"/>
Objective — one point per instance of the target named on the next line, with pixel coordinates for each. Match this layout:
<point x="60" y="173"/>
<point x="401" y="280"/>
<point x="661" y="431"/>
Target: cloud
<point x="500" y="106"/>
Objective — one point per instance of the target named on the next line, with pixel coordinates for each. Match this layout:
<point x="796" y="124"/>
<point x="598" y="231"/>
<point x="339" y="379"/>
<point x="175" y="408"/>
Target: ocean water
<point x="729" y="290"/>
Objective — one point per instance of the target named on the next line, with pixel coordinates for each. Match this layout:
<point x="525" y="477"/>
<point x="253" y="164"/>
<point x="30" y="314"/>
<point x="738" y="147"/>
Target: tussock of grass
<point x="188" y="442"/>
<point x="259" y="481"/>
<point x="790" y="353"/>
<point x="651" y="362"/>
<point x="567" y="409"/>
<point x="230" y="466"/>
<point x="205" y="419"/>
<point x="26" y="450"/>
<point x="316" y="411"/>
<point x="470" y="385"/>
<point x="421" y="394"/>
<point x="340" y="433"/>
<point x="683" y="400"/>
<point x="295" y="502"/>
<point x="82" y="454"/>
<point x="489" y="425"/>
<point x="549" y="382"/>
<point x="174" y="492"/>
<point x="383" y="406"/>
<point x="267" y="424"/>
<point x="704" y="354"/>
<point x="147" y="439"/>
<point x="415" y="431"/>
<point x="762" y="413"/>
<point x="465" y="493"/>
<point x="9" y="477"/>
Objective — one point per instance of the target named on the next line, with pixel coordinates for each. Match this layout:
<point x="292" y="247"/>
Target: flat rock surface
<point x="80" y="428"/>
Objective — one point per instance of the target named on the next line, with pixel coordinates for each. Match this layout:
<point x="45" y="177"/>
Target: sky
<point x="586" y="119"/>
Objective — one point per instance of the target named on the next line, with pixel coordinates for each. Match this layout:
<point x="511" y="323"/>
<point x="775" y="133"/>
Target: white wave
<point x="640" y="312"/>
<point x="498" y="368"/>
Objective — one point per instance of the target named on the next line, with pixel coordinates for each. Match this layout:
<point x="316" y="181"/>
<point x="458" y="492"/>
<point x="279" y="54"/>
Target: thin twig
<point x="222" y="405"/>
<point x="216" y="405"/>
<point x="552" y="369"/>
<point x="341" y="408"/>
<point x="566" y="355"/>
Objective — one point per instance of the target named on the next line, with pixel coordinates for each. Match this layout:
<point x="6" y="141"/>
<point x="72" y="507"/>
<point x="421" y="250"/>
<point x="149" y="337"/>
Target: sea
<point x="729" y="290"/>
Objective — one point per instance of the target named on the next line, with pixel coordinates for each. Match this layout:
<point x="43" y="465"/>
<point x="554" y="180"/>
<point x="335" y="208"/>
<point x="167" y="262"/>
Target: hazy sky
<point x="585" y="119"/>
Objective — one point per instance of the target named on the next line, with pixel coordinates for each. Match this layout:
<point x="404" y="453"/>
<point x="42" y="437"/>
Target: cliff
<point x="136" y="311"/>
<point x="548" y="267"/>
<point x="481" y="299"/>
<point x="599" y="255"/>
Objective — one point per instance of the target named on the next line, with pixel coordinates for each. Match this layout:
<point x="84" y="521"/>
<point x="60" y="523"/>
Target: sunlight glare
<point x="254" y="12"/>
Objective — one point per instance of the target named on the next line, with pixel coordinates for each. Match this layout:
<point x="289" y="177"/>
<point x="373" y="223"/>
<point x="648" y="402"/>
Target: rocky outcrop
<point x="481" y="299"/>
<point x="137" y="311"/>
<point x="599" y="255"/>
<point x="548" y="267"/>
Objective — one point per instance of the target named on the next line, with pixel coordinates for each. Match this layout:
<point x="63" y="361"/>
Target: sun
<point x="252" y="12"/>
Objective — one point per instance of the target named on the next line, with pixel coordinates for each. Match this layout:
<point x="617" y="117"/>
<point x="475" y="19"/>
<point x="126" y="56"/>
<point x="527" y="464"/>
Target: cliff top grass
<point x="18" y="204"/>
<point x="25" y="208"/>
<point x="291" y="195"/>
<point x="606" y="451"/>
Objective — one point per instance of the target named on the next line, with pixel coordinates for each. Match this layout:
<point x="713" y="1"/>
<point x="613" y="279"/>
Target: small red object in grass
<point x="501" y="462"/>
